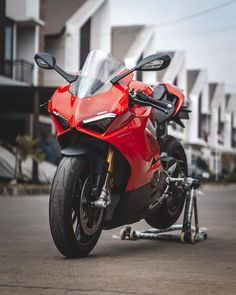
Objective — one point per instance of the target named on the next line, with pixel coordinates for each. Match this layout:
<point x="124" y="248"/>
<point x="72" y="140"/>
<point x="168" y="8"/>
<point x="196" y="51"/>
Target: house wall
<point x="25" y="43"/>
<point x="22" y="9"/>
<point x="122" y="38"/>
<point x="56" y="46"/>
<point x="98" y="12"/>
<point x="100" y="37"/>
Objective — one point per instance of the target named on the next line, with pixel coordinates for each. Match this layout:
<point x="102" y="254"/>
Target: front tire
<point x="75" y="224"/>
<point x="172" y="207"/>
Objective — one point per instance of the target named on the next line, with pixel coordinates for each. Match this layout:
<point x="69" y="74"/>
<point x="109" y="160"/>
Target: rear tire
<point x="172" y="207"/>
<point x="75" y="225"/>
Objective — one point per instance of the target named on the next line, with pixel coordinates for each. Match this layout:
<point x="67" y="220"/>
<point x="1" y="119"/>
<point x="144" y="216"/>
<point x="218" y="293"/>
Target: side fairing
<point x="139" y="147"/>
<point x="129" y="133"/>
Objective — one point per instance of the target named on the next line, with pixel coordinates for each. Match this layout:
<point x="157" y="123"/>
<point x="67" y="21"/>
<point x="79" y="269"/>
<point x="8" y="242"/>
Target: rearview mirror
<point x="48" y="61"/>
<point x="45" y="60"/>
<point x="155" y="62"/>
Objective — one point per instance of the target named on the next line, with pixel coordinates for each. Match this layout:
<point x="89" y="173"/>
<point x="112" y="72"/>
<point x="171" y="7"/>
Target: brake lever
<point x="161" y="104"/>
<point x="147" y="103"/>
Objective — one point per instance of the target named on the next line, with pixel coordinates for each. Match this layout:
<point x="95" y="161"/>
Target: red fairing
<point x="76" y="110"/>
<point x="137" y="85"/>
<point x="128" y="133"/>
<point x="138" y="145"/>
<point x="177" y="92"/>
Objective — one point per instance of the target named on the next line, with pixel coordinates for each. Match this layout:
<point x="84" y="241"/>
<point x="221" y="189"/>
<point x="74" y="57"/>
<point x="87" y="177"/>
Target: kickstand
<point x="189" y="233"/>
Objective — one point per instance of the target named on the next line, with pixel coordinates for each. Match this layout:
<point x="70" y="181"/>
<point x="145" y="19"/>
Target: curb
<point x="22" y="190"/>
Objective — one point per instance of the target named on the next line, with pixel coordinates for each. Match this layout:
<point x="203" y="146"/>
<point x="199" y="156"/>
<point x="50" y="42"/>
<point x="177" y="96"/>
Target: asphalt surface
<point x="30" y="264"/>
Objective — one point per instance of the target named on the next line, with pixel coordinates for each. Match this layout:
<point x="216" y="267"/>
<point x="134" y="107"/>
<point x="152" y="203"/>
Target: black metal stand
<point x="189" y="233"/>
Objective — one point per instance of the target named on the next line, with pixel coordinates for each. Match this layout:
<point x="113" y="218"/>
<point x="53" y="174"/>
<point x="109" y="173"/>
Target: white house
<point x="22" y="27"/>
<point x="199" y="123"/>
<point x="132" y="43"/>
<point x="71" y="31"/>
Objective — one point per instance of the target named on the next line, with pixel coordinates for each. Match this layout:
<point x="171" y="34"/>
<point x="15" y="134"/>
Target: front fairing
<point x="76" y="110"/>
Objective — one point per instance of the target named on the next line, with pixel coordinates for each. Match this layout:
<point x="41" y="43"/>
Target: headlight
<point x="99" y="123"/>
<point x="61" y="120"/>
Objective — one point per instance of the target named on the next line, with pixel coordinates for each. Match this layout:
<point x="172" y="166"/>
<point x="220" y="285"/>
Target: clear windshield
<point x="99" y="68"/>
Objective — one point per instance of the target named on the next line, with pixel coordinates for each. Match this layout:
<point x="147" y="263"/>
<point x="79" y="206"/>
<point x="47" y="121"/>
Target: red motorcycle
<point x="116" y="154"/>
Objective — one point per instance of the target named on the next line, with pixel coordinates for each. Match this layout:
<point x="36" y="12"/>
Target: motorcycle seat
<point x="160" y="92"/>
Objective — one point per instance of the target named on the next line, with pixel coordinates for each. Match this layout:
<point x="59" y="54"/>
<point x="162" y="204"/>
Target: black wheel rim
<point x="86" y="220"/>
<point x="175" y="196"/>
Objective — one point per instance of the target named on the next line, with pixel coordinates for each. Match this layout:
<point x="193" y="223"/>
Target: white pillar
<point x="72" y="48"/>
<point x="100" y="37"/>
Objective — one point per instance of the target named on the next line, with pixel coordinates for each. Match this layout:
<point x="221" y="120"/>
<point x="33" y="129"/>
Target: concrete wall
<point x="100" y="37"/>
<point x="22" y="9"/>
<point x="122" y="39"/>
<point x="56" y="46"/>
<point x="25" y="43"/>
<point x="98" y="12"/>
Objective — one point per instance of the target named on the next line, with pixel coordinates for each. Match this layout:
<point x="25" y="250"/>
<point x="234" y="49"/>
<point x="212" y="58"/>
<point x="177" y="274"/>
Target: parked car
<point x="198" y="172"/>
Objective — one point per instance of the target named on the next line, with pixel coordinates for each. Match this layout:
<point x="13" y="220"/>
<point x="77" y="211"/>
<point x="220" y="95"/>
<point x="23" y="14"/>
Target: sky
<point x="205" y="30"/>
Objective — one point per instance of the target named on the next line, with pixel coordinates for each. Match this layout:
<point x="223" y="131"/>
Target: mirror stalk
<point x="47" y="61"/>
<point x="69" y="77"/>
<point x="117" y="78"/>
<point x="154" y="62"/>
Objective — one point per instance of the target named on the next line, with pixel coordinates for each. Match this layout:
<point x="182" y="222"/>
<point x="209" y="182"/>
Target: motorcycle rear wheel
<point x="74" y="223"/>
<point x="172" y="207"/>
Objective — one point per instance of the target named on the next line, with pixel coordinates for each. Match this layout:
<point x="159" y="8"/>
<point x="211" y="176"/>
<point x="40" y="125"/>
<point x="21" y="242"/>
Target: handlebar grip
<point x="148" y="103"/>
<point x="156" y="102"/>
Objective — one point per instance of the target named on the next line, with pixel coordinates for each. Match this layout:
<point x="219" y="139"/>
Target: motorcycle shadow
<point x="128" y="248"/>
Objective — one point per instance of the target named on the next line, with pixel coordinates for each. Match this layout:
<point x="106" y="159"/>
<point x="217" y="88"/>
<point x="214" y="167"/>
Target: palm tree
<point x="26" y="146"/>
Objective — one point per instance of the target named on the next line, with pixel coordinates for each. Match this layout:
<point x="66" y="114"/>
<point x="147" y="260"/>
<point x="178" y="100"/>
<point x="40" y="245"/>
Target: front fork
<point x="104" y="199"/>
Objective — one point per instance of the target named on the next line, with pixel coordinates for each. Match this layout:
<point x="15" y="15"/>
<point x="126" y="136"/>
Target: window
<point x="200" y="123"/>
<point x="84" y="42"/>
<point x="8" y="53"/>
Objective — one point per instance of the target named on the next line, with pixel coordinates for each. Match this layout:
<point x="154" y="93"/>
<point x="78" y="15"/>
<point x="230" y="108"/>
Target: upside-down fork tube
<point x="110" y="156"/>
<point x="98" y="170"/>
<point x="105" y="196"/>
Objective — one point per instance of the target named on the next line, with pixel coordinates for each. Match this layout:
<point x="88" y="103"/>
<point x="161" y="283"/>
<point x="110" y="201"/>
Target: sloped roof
<point x="57" y="12"/>
<point x="122" y="39"/>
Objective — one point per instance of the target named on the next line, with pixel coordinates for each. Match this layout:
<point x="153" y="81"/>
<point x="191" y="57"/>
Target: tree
<point x="26" y="146"/>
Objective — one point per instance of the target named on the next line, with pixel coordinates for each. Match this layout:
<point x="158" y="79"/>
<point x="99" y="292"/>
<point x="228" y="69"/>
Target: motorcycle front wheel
<point x="74" y="223"/>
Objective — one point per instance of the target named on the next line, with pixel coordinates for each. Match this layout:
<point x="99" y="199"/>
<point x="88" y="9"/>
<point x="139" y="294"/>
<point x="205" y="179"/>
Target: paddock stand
<point x="189" y="234"/>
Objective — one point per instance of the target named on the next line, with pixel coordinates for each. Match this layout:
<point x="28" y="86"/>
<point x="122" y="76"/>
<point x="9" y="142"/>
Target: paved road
<point x="30" y="264"/>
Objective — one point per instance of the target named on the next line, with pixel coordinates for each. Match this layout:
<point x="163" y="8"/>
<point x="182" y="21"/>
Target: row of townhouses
<point x="69" y="30"/>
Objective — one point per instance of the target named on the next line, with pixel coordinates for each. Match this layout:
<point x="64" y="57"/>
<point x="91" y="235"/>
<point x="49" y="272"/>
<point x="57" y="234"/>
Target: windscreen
<point x="99" y="68"/>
